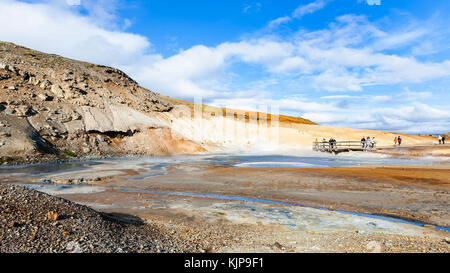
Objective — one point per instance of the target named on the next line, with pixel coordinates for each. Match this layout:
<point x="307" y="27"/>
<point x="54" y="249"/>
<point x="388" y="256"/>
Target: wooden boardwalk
<point x="340" y="146"/>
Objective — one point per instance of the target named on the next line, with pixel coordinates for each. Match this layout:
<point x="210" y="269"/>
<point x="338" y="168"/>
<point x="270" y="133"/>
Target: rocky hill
<point x="53" y="107"/>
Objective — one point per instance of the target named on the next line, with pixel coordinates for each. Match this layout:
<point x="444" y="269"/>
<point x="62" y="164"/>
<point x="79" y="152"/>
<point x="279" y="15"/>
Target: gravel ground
<point x="32" y="221"/>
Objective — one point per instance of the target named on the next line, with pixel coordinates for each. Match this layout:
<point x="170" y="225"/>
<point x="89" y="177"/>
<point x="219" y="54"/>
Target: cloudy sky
<point x="350" y="63"/>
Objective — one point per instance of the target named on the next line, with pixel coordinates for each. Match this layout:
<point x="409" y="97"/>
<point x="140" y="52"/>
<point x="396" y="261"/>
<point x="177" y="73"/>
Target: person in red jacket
<point x="399" y="140"/>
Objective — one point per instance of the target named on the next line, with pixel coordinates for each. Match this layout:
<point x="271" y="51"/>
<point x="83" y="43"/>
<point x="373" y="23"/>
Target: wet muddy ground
<point x="234" y="204"/>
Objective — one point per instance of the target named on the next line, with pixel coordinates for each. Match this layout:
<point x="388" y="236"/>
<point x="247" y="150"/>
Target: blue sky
<point x="337" y="62"/>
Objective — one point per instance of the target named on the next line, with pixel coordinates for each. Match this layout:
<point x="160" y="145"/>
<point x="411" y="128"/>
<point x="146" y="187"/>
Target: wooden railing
<point x="342" y="146"/>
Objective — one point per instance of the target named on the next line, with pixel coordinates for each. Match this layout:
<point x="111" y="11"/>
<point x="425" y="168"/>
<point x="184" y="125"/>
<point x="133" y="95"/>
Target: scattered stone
<point x="5" y="134"/>
<point x="52" y="216"/>
<point x="26" y="111"/>
<point x="4" y="77"/>
<point x="45" y="97"/>
<point x="45" y="84"/>
<point x="11" y="68"/>
<point x="278" y="245"/>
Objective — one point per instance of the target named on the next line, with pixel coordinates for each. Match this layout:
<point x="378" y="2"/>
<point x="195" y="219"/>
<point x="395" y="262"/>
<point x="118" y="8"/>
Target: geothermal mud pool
<point x="279" y="198"/>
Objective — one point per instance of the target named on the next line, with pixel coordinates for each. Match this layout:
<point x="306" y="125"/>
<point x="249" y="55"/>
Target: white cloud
<point x="348" y="55"/>
<point x="299" y="12"/>
<point x="276" y="22"/>
<point x="309" y="8"/>
<point x="73" y="2"/>
<point x="253" y="7"/>
<point x="53" y="29"/>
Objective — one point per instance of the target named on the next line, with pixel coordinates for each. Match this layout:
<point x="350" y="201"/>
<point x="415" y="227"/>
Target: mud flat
<point x="417" y="150"/>
<point x="213" y="203"/>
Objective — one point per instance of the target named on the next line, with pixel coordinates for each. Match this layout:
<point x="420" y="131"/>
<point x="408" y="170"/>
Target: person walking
<point x="443" y="139"/>
<point x="363" y="142"/>
<point x="396" y="140"/>
<point x="399" y="140"/>
<point x="440" y="139"/>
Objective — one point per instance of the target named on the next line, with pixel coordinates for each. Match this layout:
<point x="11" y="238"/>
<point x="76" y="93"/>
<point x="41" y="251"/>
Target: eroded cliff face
<point x="53" y="107"/>
<point x="239" y="131"/>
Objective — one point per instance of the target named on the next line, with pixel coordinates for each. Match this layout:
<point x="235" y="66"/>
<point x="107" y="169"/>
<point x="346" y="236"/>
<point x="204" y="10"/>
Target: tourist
<point x="363" y="142"/>
<point x="443" y="139"/>
<point x="396" y="139"/>
<point x="440" y="139"/>
<point x="367" y="142"/>
<point x="399" y="140"/>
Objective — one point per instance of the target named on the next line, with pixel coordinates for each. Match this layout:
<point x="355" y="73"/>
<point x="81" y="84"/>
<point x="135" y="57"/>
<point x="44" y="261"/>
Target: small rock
<point x="278" y="245"/>
<point x="26" y="111"/>
<point x="12" y="87"/>
<point x="5" y="134"/>
<point x="4" y="76"/>
<point x="53" y="216"/>
<point x="45" y="84"/>
<point x="45" y="97"/>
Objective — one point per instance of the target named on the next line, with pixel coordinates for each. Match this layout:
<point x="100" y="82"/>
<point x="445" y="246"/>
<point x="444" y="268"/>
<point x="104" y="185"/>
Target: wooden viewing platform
<point x="340" y="146"/>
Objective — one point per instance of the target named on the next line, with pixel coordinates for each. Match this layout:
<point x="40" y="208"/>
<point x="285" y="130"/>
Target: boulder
<point x="45" y="97"/>
<point x="57" y="90"/>
<point x="45" y="84"/>
<point x="4" y="77"/>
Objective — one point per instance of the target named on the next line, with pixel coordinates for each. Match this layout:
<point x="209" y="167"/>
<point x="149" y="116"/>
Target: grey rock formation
<point x="54" y="105"/>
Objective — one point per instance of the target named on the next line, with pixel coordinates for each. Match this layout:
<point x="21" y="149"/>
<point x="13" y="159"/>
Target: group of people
<point x="441" y="139"/>
<point x="398" y="140"/>
<point x="368" y="142"/>
<point x="331" y="142"/>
